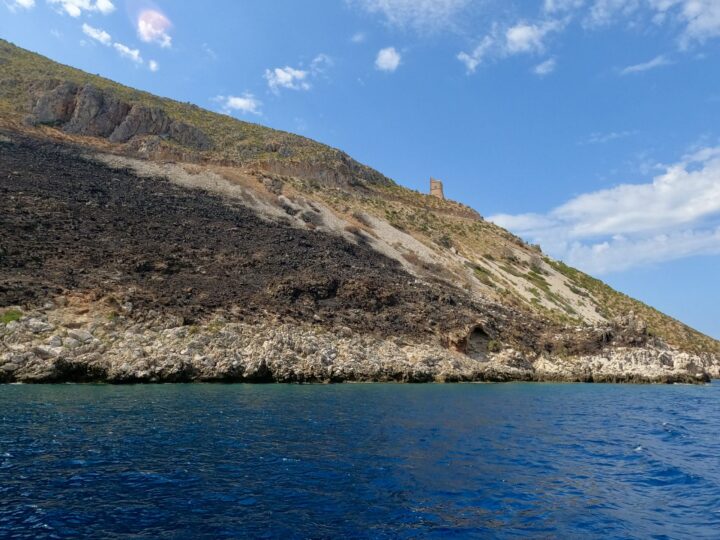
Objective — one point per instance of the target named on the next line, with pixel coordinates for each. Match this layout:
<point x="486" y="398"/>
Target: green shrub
<point x="10" y="316"/>
<point x="494" y="346"/>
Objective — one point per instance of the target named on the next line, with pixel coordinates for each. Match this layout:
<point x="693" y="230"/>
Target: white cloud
<point x="358" y="37"/>
<point x="521" y="38"/>
<point x="423" y="15"/>
<point x="545" y="68"/>
<point x="245" y="104"/>
<point x="298" y="78"/>
<point x="97" y="34"/>
<point x="103" y="37"/>
<point x="14" y="5"/>
<point x="287" y="77"/>
<point x="621" y="253"/>
<point x="555" y="6"/>
<point x="127" y="52"/>
<point x="693" y="21"/>
<point x="473" y="59"/>
<point x="603" y="12"/>
<point x="699" y="19"/>
<point x="75" y="8"/>
<point x="320" y="64"/>
<point x="656" y="62"/>
<point x="527" y="38"/>
<point x="674" y="216"/>
<point x="153" y="27"/>
<point x="388" y="59"/>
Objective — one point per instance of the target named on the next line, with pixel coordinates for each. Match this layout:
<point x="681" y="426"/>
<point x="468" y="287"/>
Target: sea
<point x="360" y="461"/>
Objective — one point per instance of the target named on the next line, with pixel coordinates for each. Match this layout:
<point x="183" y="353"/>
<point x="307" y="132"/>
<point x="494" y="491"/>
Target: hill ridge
<point x="561" y="322"/>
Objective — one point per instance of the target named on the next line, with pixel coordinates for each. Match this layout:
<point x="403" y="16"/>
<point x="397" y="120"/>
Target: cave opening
<point x="476" y="344"/>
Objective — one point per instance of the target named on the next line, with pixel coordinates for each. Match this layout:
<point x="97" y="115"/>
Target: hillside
<point x="184" y="244"/>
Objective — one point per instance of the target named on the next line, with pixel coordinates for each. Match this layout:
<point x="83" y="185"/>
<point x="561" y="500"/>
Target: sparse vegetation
<point x="10" y="315"/>
<point x="612" y="303"/>
<point x="445" y="241"/>
<point x="494" y="346"/>
<point x="233" y="140"/>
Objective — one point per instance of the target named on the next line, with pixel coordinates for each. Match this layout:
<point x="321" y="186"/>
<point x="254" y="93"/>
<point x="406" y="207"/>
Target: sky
<point x="591" y="127"/>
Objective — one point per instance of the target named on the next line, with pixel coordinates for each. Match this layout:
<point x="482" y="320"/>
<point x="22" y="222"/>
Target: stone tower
<point x="436" y="188"/>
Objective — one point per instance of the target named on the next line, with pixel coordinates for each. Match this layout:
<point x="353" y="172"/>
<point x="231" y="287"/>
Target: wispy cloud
<point x="476" y="57"/>
<point x="127" y="52"/>
<point x="209" y="51"/>
<point x="602" y="138"/>
<point x="693" y="21"/>
<point x="555" y="6"/>
<point x="422" y="15"/>
<point x="674" y="216"/>
<point x="321" y="64"/>
<point x="699" y="20"/>
<point x="153" y="27"/>
<point x="388" y="59"/>
<point x="520" y="38"/>
<point x="358" y="37"/>
<point x="15" y="5"/>
<point x="101" y="36"/>
<point x="299" y="78"/>
<point x="245" y="104"/>
<point x="656" y="62"/>
<point x="97" y="34"/>
<point x="545" y="68"/>
<point x="75" y="8"/>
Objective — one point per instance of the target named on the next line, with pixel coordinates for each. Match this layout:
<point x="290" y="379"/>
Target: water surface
<point x="360" y="461"/>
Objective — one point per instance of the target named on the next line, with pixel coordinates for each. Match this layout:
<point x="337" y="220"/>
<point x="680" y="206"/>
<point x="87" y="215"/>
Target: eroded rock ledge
<point x="35" y="350"/>
<point x="88" y="110"/>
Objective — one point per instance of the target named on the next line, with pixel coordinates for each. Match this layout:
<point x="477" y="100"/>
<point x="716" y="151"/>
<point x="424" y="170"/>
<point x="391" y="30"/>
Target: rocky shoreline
<point x="34" y="349"/>
<point x="145" y="241"/>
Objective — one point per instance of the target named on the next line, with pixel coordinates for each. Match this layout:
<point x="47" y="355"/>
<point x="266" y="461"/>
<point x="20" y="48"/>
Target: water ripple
<point x="360" y="461"/>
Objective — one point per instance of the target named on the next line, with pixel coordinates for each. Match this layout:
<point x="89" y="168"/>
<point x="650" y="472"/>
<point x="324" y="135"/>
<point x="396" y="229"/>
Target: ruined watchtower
<point x="436" y="188"/>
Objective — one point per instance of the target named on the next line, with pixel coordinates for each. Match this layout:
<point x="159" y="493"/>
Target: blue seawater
<point x="360" y="461"/>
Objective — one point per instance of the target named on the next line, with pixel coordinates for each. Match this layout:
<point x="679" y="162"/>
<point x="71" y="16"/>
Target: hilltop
<point x="150" y="240"/>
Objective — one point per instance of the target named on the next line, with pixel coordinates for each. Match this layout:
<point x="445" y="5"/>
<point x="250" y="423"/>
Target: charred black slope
<point x="73" y="224"/>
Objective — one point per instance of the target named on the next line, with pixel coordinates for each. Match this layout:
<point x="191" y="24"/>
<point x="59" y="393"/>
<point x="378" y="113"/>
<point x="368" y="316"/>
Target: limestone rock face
<point x="141" y="121"/>
<point x="96" y="114"/>
<point x="39" y="348"/>
<point x="54" y="106"/>
<point x="190" y="136"/>
<point x="93" y="112"/>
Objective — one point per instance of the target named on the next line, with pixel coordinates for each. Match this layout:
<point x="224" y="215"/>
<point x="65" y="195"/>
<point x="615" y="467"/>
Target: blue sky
<point x="589" y="126"/>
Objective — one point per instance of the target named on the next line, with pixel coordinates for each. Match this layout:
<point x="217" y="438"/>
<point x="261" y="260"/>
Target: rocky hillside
<point x="149" y="240"/>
